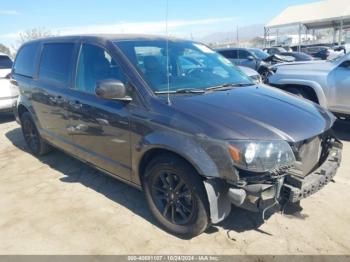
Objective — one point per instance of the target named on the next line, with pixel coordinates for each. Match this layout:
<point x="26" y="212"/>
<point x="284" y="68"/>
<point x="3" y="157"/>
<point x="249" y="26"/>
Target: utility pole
<point x="340" y="32"/>
<point x="299" y="44"/>
<point x="237" y="36"/>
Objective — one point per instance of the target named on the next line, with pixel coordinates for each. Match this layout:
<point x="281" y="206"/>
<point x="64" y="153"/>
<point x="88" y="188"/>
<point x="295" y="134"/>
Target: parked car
<point x="195" y="139"/>
<point x="275" y="50"/>
<point x="7" y="94"/>
<point x="253" y="58"/>
<point x="324" y="82"/>
<point x="254" y="75"/>
<point x="322" y="52"/>
<point x="188" y="63"/>
<point x="288" y="48"/>
<point x="299" y="56"/>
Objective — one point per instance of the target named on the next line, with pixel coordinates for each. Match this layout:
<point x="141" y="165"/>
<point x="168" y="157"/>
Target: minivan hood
<point x="256" y="112"/>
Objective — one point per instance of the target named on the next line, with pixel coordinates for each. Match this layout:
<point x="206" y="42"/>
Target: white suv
<point x="324" y="82"/>
<point x="8" y="95"/>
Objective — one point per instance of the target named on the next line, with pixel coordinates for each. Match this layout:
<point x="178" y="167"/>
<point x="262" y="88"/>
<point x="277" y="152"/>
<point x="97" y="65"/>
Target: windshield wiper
<point x="182" y="91"/>
<point x="228" y="86"/>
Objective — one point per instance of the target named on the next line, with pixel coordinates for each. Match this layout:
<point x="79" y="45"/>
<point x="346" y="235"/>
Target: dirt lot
<point x="57" y="205"/>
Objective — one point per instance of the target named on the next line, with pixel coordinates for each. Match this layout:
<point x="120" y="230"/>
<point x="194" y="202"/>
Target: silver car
<point x="7" y="94"/>
<point x="254" y="75"/>
<point x="324" y="82"/>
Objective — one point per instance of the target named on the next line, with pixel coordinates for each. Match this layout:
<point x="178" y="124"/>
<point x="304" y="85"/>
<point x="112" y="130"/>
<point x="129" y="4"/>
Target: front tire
<point x="32" y="137"/>
<point x="176" y="196"/>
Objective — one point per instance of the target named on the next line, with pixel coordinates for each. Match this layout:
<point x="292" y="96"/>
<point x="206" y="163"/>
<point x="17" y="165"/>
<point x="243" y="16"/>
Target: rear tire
<point x="32" y="137"/>
<point x="176" y="196"/>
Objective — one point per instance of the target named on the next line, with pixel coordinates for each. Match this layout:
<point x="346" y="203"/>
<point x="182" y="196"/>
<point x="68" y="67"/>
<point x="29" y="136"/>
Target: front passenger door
<point x="100" y="127"/>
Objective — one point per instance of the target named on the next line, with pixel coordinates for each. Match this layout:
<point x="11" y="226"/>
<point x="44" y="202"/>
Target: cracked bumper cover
<point x="296" y="188"/>
<point x="255" y="197"/>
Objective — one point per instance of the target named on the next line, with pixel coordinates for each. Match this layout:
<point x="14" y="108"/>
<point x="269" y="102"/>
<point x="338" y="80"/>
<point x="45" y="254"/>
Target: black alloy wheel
<point x="176" y="196"/>
<point x="32" y="137"/>
<point x="173" y="198"/>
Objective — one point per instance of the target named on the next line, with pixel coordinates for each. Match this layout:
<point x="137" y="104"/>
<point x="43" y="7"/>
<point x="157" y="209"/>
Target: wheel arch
<point x="310" y="86"/>
<point x="157" y="151"/>
<point x="309" y="91"/>
<point x="21" y="109"/>
<point x="215" y="189"/>
<point x="195" y="153"/>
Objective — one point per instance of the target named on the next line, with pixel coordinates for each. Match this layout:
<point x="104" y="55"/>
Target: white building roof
<point x="322" y="14"/>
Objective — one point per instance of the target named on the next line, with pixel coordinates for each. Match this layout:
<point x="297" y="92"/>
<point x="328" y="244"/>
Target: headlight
<point x="257" y="79"/>
<point x="261" y="156"/>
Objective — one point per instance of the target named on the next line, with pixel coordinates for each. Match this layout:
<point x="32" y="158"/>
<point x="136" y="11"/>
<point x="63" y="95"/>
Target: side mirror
<point x="112" y="89"/>
<point x="251" y="58"/>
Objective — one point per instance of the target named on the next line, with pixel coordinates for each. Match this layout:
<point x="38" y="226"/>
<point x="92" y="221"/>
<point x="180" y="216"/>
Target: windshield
<point x="259" y="53"/>
<point x="5" y="62"/>
<point x="190" y="65"/>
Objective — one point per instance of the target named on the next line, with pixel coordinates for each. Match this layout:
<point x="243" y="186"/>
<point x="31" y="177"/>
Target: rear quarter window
<point x="25" y="60"/>
<point x="5" y="62"/>
<point x="56" y="62"/>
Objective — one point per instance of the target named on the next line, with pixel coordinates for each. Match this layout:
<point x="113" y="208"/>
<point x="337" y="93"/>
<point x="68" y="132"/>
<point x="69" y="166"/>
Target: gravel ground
<point x="57" y="205"/>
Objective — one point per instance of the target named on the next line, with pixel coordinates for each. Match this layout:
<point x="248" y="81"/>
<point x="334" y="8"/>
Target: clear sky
<point x="199" y="17"/>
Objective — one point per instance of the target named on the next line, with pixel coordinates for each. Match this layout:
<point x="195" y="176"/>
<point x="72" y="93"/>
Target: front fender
<point x="208" y="157"/>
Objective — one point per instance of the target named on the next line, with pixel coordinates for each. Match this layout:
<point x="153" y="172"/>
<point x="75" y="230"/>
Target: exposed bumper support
<point x="297" y="188"/>
<point x="259" y="197"/>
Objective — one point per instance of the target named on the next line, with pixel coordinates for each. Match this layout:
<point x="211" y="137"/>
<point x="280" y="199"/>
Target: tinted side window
<point x="56" y="62"/>
<point x="243" y="54"/>
<point x="345" y="64"/>
<point x="232" y="54"/>
<point x="5" y="62"/>
<point x="94" y="65"/>
<point x="25" y="60"/>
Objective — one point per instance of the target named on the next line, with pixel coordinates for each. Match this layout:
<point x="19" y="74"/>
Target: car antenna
<point x="167" y="50"/>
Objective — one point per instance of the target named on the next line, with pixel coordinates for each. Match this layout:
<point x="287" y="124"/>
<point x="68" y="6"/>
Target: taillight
<point x="8" y="76"/>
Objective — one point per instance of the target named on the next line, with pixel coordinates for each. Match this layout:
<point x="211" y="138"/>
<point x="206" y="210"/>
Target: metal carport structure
<point x="318" y="15"/>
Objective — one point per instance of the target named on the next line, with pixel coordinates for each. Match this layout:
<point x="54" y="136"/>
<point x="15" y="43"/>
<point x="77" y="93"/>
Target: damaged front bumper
<point x="296" y="188"/>
<point x="286" y="187"/>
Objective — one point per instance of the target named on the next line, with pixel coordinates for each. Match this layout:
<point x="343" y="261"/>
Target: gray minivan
<point x="176" y="119"/>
